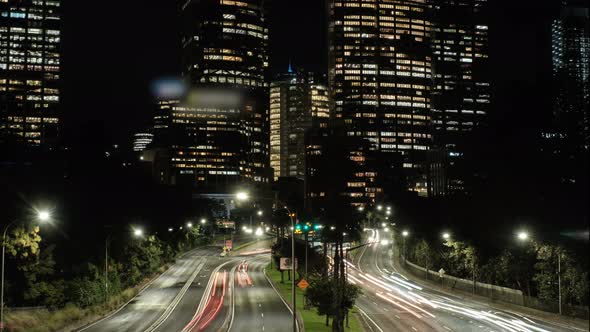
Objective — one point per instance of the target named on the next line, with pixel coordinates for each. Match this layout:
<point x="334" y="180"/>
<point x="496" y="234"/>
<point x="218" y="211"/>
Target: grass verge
<point x="311" y="320"/>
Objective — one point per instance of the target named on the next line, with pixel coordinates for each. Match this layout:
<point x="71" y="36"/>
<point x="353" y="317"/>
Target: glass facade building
<point x="380" y="76"/>
<point x="570" y="43"/>
<point x="30" y="70"/>
<point x="297" y="104"/>
<point x="219" y="133"/>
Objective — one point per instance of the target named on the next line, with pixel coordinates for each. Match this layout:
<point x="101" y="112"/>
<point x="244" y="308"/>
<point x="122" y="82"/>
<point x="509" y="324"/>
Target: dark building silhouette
<point x="461" y="92"/>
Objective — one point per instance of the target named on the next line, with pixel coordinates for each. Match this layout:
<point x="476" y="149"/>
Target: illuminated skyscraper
<point x="30" y="71"/>
<point x="380" y="71"/>
<point x="461" y="91"/>
<point x="297" y="104"/>
<point x="571" y="71"/>
<point x="219" y="132"/>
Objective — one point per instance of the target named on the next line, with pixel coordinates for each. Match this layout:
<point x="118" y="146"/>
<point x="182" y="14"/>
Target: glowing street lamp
<point x="405" y="233"/>
<point x="361" y="209"/>
<point x="383" y="224"/>
<point x="44" y="216"/>
<point x="242" y="196"/>
<point x="522" y="236"/>
<point x="446" y="235"/>
<point x="189" y="224"/>
<point x="138" y="232"/>
<point x="386" y="229"/>
<point x="170" y="229"/>
<point x="259" y="212"/>
<point x="203" y="221"/>
<point x="258" y="232"/>
<point x="379" y="207"/>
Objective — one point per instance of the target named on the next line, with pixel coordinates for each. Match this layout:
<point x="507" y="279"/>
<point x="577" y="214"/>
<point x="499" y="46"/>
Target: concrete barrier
<point x="498" y="293"/>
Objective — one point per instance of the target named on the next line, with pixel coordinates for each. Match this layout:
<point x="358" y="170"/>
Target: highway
<point x="392" y="301"/>
<point x="204" y="292"/>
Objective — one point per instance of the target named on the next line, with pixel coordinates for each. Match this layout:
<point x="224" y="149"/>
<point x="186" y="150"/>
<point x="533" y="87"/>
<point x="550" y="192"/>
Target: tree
<point x="321" y="292"/>
<point x="463" y="259"/>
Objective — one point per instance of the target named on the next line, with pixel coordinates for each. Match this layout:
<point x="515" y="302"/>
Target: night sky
<point x="112" y="53"/>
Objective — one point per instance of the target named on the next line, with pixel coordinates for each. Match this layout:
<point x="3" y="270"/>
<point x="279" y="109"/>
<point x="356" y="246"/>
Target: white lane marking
<point x="176" y="299"/>
<point x="369" y="318"/>
<point x="446" y="327"/>
<point x="413" y="328"/>
<point x="280" y="297"/>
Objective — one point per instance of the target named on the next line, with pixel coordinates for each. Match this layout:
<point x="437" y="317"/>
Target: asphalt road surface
<point x="205" y="292"/>
<point x="392" y="301"/>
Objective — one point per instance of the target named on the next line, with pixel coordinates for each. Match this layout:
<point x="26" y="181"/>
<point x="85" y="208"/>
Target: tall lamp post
<point x="524" y="236"/>
<point x="243" y="196"/>
<point x="42" y="216"/>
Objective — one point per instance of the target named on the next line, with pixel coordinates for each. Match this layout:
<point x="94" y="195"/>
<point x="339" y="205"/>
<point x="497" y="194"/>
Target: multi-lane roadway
<point x="204" y="292"/>
<point x="392" y="301"/>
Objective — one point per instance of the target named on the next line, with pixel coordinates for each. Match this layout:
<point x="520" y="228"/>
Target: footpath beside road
<point x="556" y="319"/>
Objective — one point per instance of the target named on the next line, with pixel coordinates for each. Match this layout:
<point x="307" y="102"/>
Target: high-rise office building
<point x="571" y="70"/>
<point x="461" y="91"/>
<point x="298" y="103"/>
<point x="219" y="133"/>
<point x="380" y="76"/>
<point x="30" y="71"/>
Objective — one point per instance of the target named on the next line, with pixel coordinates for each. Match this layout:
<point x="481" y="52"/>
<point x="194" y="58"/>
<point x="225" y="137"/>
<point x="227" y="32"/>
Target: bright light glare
<point x="267" y="229"/>
<point x="259" y="212"/>
<point x="242" y="196"/>
<point x="203" y="221"/>
<point x="189" y="224"/>
<point x="523" y="236"/>
<point x="384" y="242"/>
<point x="386" y="229"/>
<point x="258" y="231"/>
<point x="361" y="208"/>
<point x="44" y="215"/>
<point x="138" y="232"/>
<point x="405" y="233"/>
<point x="383" y="224"/>
<point x="170" y="229"/>
<point x="248" y="230"/>
<point x="446" y="236"/>
<point x="379" y="207"/>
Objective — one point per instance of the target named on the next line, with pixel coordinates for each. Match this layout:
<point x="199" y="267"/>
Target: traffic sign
<point x="286" y="264"/>
<point x="229" y="244"/>
<point x="441" y="272"/>
<point x="303" y="284"/>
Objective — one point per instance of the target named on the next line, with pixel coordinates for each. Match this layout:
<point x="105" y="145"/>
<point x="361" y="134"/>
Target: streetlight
<point x="405" y="234"/>
<point x="383" y="224"/>
<point x="258" y="232"/>
<point x="446" y="235"/>
<point x="42" y="216"/>
<point x="379" y="207"/>
<point x="259" y="212"/>
<point x="170" y="229"/>
<point x="189" y="224"/>
<point x="361" y="208"/>
<point x="203" y="221"/>
<point x="242" y="196"/>
<point x="138" y="232"/>
<point x="523" y="236"/>
<point x="388" y="212"/>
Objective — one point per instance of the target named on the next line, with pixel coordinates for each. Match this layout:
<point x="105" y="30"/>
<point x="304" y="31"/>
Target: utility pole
<point x="559" y="279"/>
